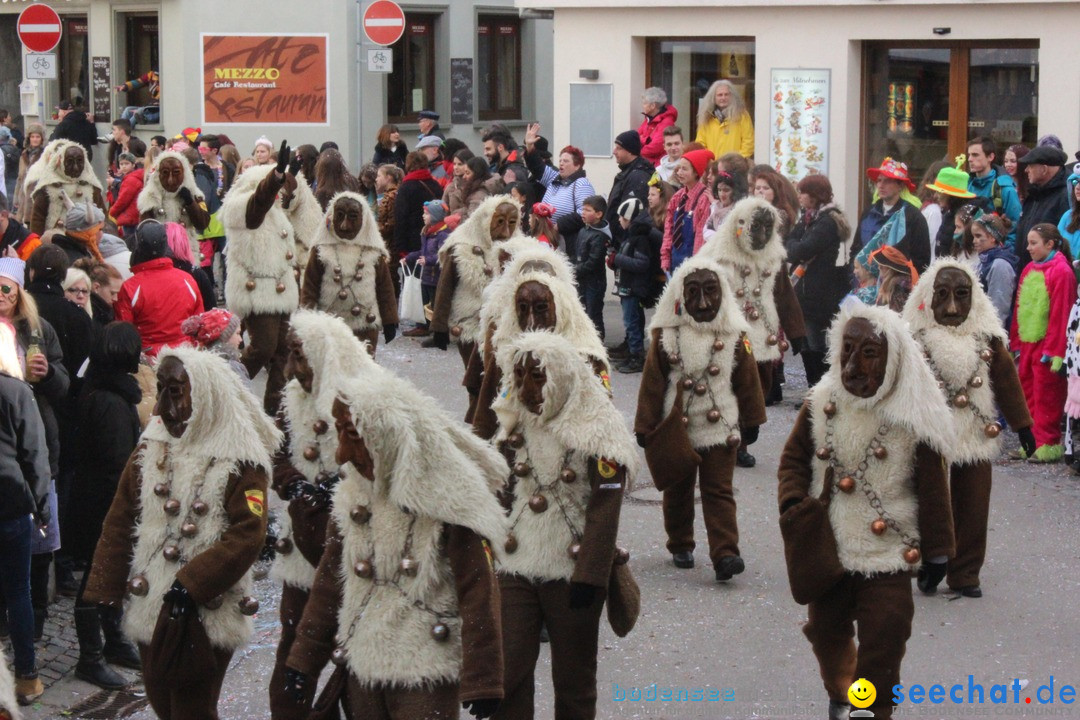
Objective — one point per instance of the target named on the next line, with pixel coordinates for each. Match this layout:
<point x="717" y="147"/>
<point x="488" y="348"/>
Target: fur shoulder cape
<point x="333" y="351"/>
<point x="306" y="215"/>
<point x="731" y="243"/>
<point x="368" y="237"/>
<point x="49" y="169"/>
<point x="227" y="423"/>
<point x="154" y="196"/>
<point x="476" y="230"/>
<point x="669" y="309"/>
<point x="982" y="320"/>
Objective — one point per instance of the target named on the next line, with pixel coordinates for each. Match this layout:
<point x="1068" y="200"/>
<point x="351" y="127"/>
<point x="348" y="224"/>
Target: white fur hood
<point x="731" y="244"/>
<point x="49" y="169"/>
<point x="669" y="309"/>
<point x="332" y="350"/>
<point x="476" y="230"/>
<point x="368" y="237"/>
<point x="982" y="320"/>
<point x="153" y="194"/>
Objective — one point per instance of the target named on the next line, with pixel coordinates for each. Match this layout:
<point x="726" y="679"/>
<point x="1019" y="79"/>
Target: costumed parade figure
<point x="405" y="600"/>
<point x="186" y="525"/>
<point x="306" y="215"/>
<point x="700" y="397"/>
<point x="864" y="500"/>
<point x="348" y="273"/>
<point x="261" y="287"/>
<point x="749" y="247"/>
<point x="171" y="195"/>
<point x="952" y="318"/>
<point x="572" y="457"/>
<point x="63" y="170"/>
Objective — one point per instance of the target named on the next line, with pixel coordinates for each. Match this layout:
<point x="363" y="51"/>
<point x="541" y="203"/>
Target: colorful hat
<point x="699" y="159"/>
<point x="893" y="170"/>
<point x="213" y="326"/>
<point x="189" y="134"/>
<point x="543" y="210"/>
<point x="952" y="181"/>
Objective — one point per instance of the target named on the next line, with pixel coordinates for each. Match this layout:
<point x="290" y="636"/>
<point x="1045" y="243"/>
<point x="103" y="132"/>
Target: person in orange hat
<point x="895" y="218"/>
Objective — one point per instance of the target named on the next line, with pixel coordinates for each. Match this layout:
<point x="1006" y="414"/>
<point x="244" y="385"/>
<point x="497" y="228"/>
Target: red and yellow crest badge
<point x="606" y="468"/>
<point x="746" y="345"/>
<point x="256" y="502"/>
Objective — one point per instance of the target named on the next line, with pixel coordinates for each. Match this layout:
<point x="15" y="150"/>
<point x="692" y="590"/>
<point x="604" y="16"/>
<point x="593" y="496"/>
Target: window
<point x="498" y="57"/>
<point x="412" y="83"/>
<point x="140" y="55"/>
<point x="73" y="83"/>
<point x="686" y="67"/>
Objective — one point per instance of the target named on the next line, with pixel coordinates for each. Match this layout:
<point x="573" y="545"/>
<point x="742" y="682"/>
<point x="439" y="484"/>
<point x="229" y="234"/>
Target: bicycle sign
<point x="40" y="66"/>
<point x="381" y="60"/>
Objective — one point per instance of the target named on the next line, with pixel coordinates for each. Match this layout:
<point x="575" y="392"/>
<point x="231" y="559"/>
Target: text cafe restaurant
<point x="832" y="87"/>
<point x="291" y="71"/>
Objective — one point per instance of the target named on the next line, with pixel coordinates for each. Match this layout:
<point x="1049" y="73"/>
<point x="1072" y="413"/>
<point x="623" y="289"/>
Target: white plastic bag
<point x="411" y="306"/>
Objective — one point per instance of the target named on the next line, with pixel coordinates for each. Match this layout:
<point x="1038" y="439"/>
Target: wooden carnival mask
<point x="351" y="445"/>
<point x="504" y="222"/>
<point x="74" y="162"/>
<point x="170" y="174"/>
<point x="762" y="226"/>
<point x="701" y="295"/>
<point x="297" y="365"/>
<point x="348" y="218"/>
<point x="535" y="306"/>
<point x="529" y="381"/>
<point x="864" y="357"/>
<point x="174" y="396"/>
<point x="952" y="297"/>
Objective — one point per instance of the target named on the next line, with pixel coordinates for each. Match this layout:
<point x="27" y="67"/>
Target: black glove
<point x="44" y="513"/>
<point x="441" y="340"/>
<point x="389" y="332"/>
<point x="796" y="345"/>
<point x="284" y="153"/>
<point x="640" y="439"/>
<point x="1027" y="440"/>
<point x="750" y="434"/>
<point x="296" y="685"/>
<point x="294" y="165"/>
<point x="930" y="576"/>
<point x="185" y="195"/>
<point x="581" y="595"/>
<point x="790" y="503"/>
<point x="178" y="595"/>
<point x="484" y="708"/>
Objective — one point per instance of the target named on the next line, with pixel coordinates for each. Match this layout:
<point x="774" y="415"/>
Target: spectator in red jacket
<point x="124" y="209"/>
<point x="658" y="115"/>
<point x="158" y="297"/>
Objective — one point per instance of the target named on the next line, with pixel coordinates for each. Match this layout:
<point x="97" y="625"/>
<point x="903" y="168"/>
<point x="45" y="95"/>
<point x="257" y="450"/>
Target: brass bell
<point x="880" y="452"/>
<point x="138" y="586"/>
<point x="740" y="293"/>
<point x="250" y="285"/>
<point x="846" y="484"/>
<point x="701" y="389"/>
<point x="830" y="409"/>
<point x="408" y="567"/>
<point x="489" y="272"/>
<point x="772" y="339"/>
<point x="360" y="514"/>
<point x="754" y="314"/>
<point x="992" y="430"/>
<point x="477" y="250"/>
<point x="538" y="503"/>
<point x="339" y="656"/>
<point x="200" y="508"/>
<point x="568" y="475"/>
<point x="718" y="345"/>
<point x="912" y="556"/>
<point x="456" y="331"/>
<point x="511" y="544"/>
<point x="337" y="270"/>
<point x="986" y="355"/>
<point x="622" y="556"/>
<point x="161" y="490"/>
<point x="713" y="416"/>
<point x="976" y="382"/>
<point x="311" y="453"/>
<point x="961" y="401"/>
<point x="359" y="266"/>
<point x="673" y="358"/>
<point x="172" y="507"/>
<point x="283" y="545"/>
<point x="364" y="569"/>
<point x="757" y="292"/>
<point x="515" y="440"/>
<point x="189" y="530"/>
<point x="733" y="440"/>
<point x="522" y="469"/>
<point x="288" y="255"/>
<point x="284" y="233"/>
<point x="784" y="346"/>
<point x="280" y="287"/>
<point x="746" y="272"/>
<point x="878" y="527"/>
<point x="714" y="370"/>
<point x="440" y="632"/>
<point x="687" y="383"/>
<point x="171" y="553"/>
<point x="370" y="317"/>
<point x="358" y="275"/>
<point x="685" y="420"/>
<point x="356" y="310"/>
<point x="574" y="550"/>
<point x="320" y="427"/>
<point x="249" y="605"/>
<point x="214" y="603"/>
<point x="823" y="453"/>
<point x="342" y="294"/>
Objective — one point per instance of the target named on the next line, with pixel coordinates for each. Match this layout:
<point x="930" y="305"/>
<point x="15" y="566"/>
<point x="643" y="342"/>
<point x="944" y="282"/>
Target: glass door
<point x="1003" y="95"/>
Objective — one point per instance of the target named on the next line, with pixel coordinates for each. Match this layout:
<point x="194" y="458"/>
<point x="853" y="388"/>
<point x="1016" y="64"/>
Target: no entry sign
<point x="384" y="22"/>
<point x="39" y="28"/>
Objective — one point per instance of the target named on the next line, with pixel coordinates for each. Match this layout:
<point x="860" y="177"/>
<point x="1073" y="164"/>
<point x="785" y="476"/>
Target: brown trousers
<point x="437" y="702"/>
<point x="970" y="492"/>
<point x="526" y="606"/>
<point x="717" y="506"/>
<point x="268" y="349"/>
<point x="466" y="349"/>
<point x="882" y="607"/>
<point x="195" y="701"/>
<point x="282" y="705"/>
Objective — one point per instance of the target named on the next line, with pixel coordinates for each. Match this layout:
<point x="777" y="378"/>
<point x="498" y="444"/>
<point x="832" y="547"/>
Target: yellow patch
<point x="255" y="502"/>
<point x="605" y="380"/>
<point x="607" y="470"/>
<point x="746" y="345"/>
<point x="488" y="553"/>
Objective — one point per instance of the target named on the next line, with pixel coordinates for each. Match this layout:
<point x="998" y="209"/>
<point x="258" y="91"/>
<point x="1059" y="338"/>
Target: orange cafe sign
<point x="265" y="79"/>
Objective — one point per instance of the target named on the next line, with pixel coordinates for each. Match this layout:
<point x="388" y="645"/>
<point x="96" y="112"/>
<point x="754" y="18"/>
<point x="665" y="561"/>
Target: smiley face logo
<point x="862" y="693"/>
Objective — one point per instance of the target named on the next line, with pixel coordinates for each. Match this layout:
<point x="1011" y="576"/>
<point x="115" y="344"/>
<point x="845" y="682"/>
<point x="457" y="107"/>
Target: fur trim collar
<point x="153" y="195"/>
<point x="50" y="168"/>
<point x="669" y="311"/>
<point x="368" y="236"/>
<point x="982" y="320"/>
<point x="731" y="246"/>
<point x="227" y="423"/>
<point x="909" y="397"/>
<point x="332" y="349"/>
<point x="576" y="409"/>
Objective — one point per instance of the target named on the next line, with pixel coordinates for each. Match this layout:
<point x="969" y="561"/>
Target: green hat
<point x="953" y="181"/>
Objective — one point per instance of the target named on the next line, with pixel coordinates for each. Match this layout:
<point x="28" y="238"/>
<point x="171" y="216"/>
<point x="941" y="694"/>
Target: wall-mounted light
<point x="942" y="30"/>
<point x="589" y="74"/>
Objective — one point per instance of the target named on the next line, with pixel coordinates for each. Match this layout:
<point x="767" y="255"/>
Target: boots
<point x="40" y="616"/>
<point x="28" y="688"/>
<point x="91" y="666"/>
<point x="118" y="650"/>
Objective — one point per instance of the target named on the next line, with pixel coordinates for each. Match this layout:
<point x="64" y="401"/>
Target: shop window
<point x="140" y="37"/>
<point x="412" y="83"/>
<point x="73" y="56"/>
<point x="686" y="67"/>
<point x="498" y="59"/>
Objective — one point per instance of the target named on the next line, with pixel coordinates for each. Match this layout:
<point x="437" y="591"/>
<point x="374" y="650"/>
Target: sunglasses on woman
<point x="7" y="289"/>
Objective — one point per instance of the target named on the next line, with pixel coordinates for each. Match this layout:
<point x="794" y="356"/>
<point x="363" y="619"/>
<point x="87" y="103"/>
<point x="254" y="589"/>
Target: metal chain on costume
<point x="689" y="382"/>
<point x="318" y="493"/>
<point x="751" y="298"/>
<point x="958" y="397"/>
<point x="549" y="487"/>
<point x="347" y="289"/>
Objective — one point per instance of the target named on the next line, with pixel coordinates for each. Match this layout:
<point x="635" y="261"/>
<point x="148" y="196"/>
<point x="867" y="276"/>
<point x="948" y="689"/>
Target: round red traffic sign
<point x="39" y="28"/>
<point x="384" y="22"/>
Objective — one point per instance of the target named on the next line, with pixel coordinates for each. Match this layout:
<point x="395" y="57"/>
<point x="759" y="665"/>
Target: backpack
<point x="11" y="160"/>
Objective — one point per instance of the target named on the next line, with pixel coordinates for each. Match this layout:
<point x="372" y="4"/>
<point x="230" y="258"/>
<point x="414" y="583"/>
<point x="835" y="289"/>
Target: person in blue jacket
<point x="991" y="181"/>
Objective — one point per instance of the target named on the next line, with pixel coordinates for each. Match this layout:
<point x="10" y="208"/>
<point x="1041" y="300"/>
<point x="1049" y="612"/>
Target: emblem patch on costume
<point x="746" y="345"/>
<point x="488" y="554"/>
<point x="605" y="380"/>
<point x="256" y="502"/>
<point x="606" y="469"/>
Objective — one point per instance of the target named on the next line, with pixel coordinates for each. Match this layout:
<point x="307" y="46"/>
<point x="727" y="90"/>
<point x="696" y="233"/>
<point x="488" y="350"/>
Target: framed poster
<point x="799" y="122"/>
<point x="461" y="90"/>
<point x="265" y="79"/>
<point x="102" y="88"/>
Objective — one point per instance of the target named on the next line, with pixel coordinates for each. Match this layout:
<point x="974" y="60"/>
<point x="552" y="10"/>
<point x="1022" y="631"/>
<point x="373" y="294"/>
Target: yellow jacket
<point x="727" y="137"/>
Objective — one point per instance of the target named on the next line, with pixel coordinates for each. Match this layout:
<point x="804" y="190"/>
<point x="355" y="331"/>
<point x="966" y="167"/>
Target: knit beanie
<point x="700" y="159"/>
<point x="211" y="327"/>
<point x="630" y="209"/>
<point x="151" y="242"/>
<point x="83" y="216"/>
<point x="436" y="210"/>
<point x="13" y="269"/>
<point x="629" y="141"/>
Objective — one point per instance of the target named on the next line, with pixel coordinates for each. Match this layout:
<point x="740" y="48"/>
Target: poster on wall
<point x="799" y="117"/>
<point x="265" y="79"/>
<point x="102" y="90"/>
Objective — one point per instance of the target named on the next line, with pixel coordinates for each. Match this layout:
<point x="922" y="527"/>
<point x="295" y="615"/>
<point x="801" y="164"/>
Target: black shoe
<point x="972" y="591"/>
<point x="429" y="343"/>
<point x="632" y="364"/>
<point x="838" y="710"/>
<point x="96" y="672"/>
<point x="118" y="649"/>
<point x="745" y="460"/>
<point x="619" y="352"/>
<point x="930" y="576"/>
<point x="40" y="616"/>
<point x="683" y="560"/>
<point x="729" y="566"/>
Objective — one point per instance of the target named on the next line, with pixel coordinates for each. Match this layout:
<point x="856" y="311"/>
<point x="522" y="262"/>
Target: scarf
<point x="88" y="238"/>
<point x="890" y="234"/>
<point x="424" y="174"/>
